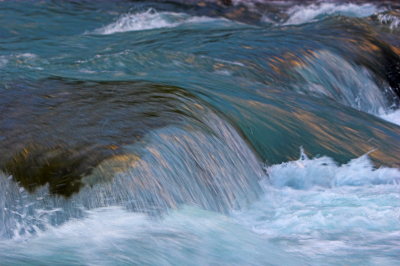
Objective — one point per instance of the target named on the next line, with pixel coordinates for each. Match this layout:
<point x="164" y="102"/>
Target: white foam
<point x="113" y="236"/>
<point x="393" y="20"/>
<point x="306" y="173"/>
<point x="3" y="61"/>
<point x="315" y="209"/>
<point x="223" y="72"/>
<point x="304" y="14"/>
<point x="226" y="61"/>
<point x="333" y="214"/>
<point x="151" y="20"/>
<point x="26" y="55"/>
<point x="391" y="116"/>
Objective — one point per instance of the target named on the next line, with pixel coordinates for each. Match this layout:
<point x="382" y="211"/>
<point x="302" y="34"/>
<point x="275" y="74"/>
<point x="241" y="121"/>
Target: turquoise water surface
<point x="199" y="133"/>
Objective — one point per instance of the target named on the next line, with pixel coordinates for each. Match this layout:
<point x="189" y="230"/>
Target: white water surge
<point x="305" y="14"/>
<point x="333" y="214"/>
<point x="151" y="19"/>
<point x="391" y="116"/>
<point x="313" y="212"/>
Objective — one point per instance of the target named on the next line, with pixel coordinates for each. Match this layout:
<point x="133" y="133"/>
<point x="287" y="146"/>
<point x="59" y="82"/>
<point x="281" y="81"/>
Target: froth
<point x="332" y="214"/>
<point x="150" y="19"/>
<point x="306" y="173"/>
<point x="305" y="14"/>
<point x="391" y="116"/>
<point x="112" y="236"/>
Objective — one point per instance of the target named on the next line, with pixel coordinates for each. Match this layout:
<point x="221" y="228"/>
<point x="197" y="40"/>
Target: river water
<point x="199" y="133"/>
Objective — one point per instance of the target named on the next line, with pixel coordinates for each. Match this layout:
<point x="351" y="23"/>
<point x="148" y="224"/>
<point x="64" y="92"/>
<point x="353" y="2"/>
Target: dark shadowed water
<point x="199" y="133"/>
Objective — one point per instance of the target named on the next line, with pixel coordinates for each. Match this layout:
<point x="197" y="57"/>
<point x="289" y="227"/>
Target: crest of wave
<point x="333" y="76"/>
<point x="389" y="18"/>
<point x="305" y="14"/>
<point x="173" y="166"/>
<point x="306" y="173"/>
<point x="150" y="19"/>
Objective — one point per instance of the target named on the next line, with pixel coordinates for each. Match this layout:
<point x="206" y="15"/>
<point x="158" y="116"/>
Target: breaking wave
<point x="301" y="14"/>
<point x="306" y="173"/>
<point x="391" y="18"/>
<point x="151" y="19"/>
<point x="314" y="207"/>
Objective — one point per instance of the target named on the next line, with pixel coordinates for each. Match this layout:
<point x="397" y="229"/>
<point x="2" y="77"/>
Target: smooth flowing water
<point x="199" y="133"/>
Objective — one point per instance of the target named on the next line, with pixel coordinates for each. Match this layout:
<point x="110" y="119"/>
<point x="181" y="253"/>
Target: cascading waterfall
<point x="168" y="133"/>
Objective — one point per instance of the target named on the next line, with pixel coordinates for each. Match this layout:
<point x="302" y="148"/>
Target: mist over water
<point x="199" y="133"/>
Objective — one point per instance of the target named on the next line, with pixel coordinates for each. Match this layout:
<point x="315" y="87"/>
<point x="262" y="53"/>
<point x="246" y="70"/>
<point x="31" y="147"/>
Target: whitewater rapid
<point x="151" y="19"/>
<point x="312" y="210"/>
<point x="186" y="132"/>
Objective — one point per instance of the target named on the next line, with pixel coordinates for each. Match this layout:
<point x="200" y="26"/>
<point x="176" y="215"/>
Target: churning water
<point x="199" y="133"/>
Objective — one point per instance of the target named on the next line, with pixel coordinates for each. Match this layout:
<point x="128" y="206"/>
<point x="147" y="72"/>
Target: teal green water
<point x="169" y="132"/>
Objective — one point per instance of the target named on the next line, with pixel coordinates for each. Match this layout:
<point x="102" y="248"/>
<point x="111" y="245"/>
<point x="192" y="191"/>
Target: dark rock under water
<point x="58" y="137"/>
